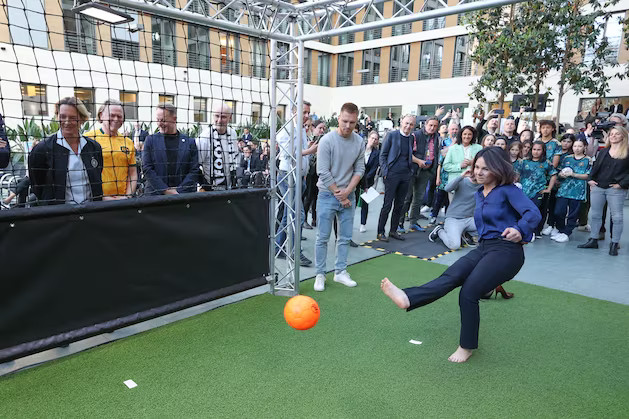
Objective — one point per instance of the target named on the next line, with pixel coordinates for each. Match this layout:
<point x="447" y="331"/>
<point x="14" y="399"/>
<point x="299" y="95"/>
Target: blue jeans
<point x="571" y="207"/>
<point x="283" y="187"/>
<point x="328" y="207"/>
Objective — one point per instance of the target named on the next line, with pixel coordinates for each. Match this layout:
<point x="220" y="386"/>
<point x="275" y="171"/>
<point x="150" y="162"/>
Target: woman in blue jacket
<point x="505" y="219"/>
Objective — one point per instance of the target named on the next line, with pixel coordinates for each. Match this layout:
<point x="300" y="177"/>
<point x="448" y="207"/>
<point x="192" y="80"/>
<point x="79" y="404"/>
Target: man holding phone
<point x="493" y="123"/>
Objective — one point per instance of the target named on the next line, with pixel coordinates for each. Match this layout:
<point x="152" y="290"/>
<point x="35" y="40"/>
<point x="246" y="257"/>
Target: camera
<point x="603" y="126"/>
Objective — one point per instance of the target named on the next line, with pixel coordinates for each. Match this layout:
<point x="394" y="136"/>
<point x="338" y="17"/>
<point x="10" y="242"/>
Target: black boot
<point x="590" y="244"/>
<point x="613" y="249"/>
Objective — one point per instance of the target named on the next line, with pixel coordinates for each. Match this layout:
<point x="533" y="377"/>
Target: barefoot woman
<point x="505" y="219"/>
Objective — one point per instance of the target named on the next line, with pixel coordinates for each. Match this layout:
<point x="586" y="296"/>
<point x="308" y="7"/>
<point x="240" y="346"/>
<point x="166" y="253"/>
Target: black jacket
<point x="5" y="152"/>
<point x="371" y="167"/>
<point x="621" y="172"/>
<point x="48" y="169"/>
<point x="421" y="141"/>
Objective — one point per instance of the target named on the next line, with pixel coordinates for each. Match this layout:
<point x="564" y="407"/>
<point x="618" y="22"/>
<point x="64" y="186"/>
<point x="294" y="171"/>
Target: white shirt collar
<point x="64" y="143"/>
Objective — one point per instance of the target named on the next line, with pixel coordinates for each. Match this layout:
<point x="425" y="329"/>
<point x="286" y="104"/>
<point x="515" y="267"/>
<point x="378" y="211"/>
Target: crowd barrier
<point x="70" y="272"/>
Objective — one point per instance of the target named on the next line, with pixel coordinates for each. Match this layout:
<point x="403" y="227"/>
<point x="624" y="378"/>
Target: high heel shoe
<point x="506" y="295"/>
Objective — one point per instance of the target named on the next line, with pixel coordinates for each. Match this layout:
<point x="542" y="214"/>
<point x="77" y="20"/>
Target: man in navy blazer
<point x="396" y="160"/>
<point x="170" y="159"/>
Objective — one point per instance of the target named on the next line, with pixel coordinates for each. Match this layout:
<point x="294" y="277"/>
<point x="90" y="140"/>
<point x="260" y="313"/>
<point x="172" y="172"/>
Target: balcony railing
<point x="230" y="67"/>
<point x="258" y="71"/>
<point x="323" y="78"/>
<point x="398" y="74"/>
<point x="435" y="23"/>
<point x="125" y="50"/>
<point x="370" y="77"/>
<point x="430" y="72"/>
<point x="373" y="34"/>
<point x="462" y="68"/>
<point x="402" y="29"/>
<point x="82" y="44"/>
<point x="343" y="79"/>
<point x="166" y="57"/>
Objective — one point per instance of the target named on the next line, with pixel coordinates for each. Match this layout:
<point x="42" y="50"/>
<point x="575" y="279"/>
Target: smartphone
<point x="499" y="111"/>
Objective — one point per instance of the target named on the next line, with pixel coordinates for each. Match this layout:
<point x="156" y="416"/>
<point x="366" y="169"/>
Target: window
<point x="125" y="45"/>
<point x="378" y="114"/>
<point x="163" y="99"/>
<point x="325" y="25"/>
<point x="200" y="109"/>
<point x="232" y="106"/>
<point x="198" y="47"/>
<point x="346" y="38"/>
<point x="370" y="70"/>
<point x="430" y="110"/>
<point x="323" y="70"/>
<point x="79" y="32"/>
<point x="430" y="60"/>
<point x="281" y="114"/>
<point x="437" y="22"/>
<point x="259" y="58"/>
<point x="307" y="72"/>
<point x="27" y="23"/>
<point x="230" y="53"/>
<point x="462" y="62"/>
<point x="400" y="60"/>
<point x="345" y="69"/>
<point x="283" y="60"/>
<point x="402" y="8"/>
<point x="130" y="104"/>
<point x="34" y="101"/>
<point x="164" y="51"/>
<point x="87" y="97"/>
<point x="613" y="31"/>
<point x="256" y="113"/>
<point x="372" y="16"/>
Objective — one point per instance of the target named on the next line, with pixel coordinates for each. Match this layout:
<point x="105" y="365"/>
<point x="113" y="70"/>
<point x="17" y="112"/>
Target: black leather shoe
<point x="613" y="249"/>
<point x="352" y="244"/>
<point x="590" y="244"/>
<point x="382" y="237"/>
<point x="396" y="236"/>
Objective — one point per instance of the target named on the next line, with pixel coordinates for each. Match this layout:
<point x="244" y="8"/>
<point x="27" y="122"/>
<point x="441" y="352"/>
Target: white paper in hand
<point x="370" y="195"/>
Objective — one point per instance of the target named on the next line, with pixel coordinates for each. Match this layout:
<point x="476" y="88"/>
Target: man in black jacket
<point x="426" y="159"/>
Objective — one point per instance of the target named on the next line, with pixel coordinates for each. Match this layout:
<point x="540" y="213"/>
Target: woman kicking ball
<point x="505" y="219"/>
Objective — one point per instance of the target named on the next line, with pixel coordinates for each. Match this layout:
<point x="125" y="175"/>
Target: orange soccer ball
<point x="301" y="312"/>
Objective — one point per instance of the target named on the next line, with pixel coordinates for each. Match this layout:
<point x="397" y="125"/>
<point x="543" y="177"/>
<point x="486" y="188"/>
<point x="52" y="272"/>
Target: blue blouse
<point x="505" y="206"/>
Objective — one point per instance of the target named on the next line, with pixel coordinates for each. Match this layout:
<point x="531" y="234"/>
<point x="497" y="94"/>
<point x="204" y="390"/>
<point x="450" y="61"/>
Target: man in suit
<point x="426" y="160"/>
<point x="616" y="107"/>
<point x="170" y="159"/>
<point x="247" y="137"/>
<point x="396" y="159"/>
<point x="372" y="162"/>
<point x="139" y="136"/>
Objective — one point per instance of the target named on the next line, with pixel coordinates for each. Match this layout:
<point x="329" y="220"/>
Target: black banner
<point x="70" y="272"/>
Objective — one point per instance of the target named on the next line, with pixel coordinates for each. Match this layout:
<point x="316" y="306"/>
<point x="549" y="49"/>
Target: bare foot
<point x="460" y="355"/>
<point x="398" y="296"/>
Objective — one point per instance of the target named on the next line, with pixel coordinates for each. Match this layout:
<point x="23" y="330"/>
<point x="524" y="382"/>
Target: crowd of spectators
<point x="421" y="165"/>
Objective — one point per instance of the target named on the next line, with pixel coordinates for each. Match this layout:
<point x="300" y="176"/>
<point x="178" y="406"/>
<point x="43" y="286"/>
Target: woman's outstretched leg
<point x="501" y="261"/>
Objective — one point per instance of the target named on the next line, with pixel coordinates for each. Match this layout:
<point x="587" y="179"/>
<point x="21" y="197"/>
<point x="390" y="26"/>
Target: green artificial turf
<point x="545" y="353"/>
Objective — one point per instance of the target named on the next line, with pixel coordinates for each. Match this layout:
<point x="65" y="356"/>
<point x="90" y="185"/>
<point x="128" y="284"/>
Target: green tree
<point x="582" y="50"/>
<point x="498" y="49"/>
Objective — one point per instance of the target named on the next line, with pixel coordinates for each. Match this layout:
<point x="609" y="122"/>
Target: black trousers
<point x="492" y="263"/>
<point x="395" y="189"/>
<point x="310" y="195"/>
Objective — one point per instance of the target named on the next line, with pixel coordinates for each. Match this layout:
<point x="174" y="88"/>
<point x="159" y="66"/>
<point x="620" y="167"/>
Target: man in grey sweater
<point x="340" y="166"/>
<point x="460" y="214"/>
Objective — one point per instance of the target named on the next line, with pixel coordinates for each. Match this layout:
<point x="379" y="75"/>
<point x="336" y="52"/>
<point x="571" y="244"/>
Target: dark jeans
<point x="539" y="200"/>
<point x="310" y="195"/>
<point x="548" y="209"/>
<point x="572" y="207"/>
<point x="585" y="208"/>
<point x="417" y="190"/>
<point x="492" y="263"/>
<point x="364" y="207"/>
<point x="395" y="189"/>
<point x="441" y="199"/>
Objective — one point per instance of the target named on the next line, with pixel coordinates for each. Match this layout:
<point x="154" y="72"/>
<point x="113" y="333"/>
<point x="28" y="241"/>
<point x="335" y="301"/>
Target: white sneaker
<point x="532" y="238"/>
<point x="560" y="238"/>
<point x="424" y="209"/>
<point x="554" y="232"/>
<point x="547" y="230"/>
<point x="345" y="279"/>
<point x="319" y="284"/>
<point x="363" y="228"/>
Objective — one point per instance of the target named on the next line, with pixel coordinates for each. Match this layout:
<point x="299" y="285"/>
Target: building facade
<point x="48" y="52"/>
